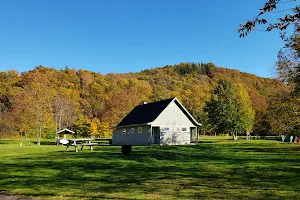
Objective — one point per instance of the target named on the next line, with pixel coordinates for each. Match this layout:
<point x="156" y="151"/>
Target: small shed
<point x="161" y="122"/>
<point x="62" y="134"/>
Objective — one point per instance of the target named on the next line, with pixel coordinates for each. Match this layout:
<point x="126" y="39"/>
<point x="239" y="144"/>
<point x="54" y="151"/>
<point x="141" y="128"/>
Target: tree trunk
<point x="59" y="122"/>
<point x="21" y="139"/>
<point x="248" y="135"/>
<point x="234" y="135"/>
<point x="39" y="136"/>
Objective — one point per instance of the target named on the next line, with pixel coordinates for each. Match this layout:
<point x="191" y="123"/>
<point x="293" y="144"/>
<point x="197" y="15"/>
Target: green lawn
<point x="216" y="168"/>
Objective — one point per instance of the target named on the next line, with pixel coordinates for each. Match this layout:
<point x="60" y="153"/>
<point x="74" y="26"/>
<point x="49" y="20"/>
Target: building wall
<point x="132" y="138"/>
<point x="171" y="121"/>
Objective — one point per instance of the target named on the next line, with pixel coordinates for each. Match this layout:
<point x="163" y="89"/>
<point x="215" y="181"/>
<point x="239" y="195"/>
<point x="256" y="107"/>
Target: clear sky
<point x="129" y="36"/>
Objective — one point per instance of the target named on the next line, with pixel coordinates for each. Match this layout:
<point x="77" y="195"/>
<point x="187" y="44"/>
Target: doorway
<point x="156" y="135"/>
<point x="193" y="132"/>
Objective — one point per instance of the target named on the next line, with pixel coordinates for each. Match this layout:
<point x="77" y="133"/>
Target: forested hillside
<point x="43" y="100"/>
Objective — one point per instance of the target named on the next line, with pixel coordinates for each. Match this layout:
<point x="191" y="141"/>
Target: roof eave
<point x="65" y="130"/>
<point x="133" y="125"/>
<point x="195" y="121"/>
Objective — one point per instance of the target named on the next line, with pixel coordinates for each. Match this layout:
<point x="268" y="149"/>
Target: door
<point x="193" y="132"/>
<point x="156" y="135"/>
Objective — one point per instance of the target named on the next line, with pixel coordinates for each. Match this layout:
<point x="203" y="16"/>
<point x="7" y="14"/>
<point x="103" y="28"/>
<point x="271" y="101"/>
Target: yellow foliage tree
<point x="100" y="129"/>
<point x="94" y="127"/>
<point x="104" y="130"/>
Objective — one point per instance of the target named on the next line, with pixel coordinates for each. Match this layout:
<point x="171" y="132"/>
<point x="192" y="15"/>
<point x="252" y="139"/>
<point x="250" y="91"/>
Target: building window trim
<point x="132" y="130"/>
<point x="140" y="129"/>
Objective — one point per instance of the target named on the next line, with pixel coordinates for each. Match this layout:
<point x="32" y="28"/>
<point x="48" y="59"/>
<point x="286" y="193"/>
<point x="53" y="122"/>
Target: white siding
<point x="174" y="119"/>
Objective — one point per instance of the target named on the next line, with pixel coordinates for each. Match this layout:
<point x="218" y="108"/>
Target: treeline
<point x="45" y="100"/>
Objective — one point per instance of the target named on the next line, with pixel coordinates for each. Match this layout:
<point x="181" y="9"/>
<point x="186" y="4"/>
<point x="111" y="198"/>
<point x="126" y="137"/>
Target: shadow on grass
<point x="47" y="142"/>
<point x="11" y="141"/>
<point x="197" y="171"/>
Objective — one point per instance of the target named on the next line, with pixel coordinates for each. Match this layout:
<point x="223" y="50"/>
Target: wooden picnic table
<point x="81" y="141"/>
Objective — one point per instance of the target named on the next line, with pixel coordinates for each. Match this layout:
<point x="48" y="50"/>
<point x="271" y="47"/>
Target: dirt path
<point x="6" y="196"/>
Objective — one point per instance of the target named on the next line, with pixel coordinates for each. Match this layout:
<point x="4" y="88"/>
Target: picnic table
<point x="81" y="141"/>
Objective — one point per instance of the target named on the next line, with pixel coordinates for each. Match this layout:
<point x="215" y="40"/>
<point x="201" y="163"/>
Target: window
<point x="183" y="129"/>
<point x="124" y="131"/>
<point x="140" y="129"/>
<point x="165" y="129"/>
<point x="132" y="130"/>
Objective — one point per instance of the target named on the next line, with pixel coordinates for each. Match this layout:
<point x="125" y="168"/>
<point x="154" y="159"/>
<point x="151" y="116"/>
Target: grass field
<point x="215" y="168"/>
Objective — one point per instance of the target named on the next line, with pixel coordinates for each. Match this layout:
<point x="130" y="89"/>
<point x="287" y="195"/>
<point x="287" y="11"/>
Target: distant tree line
<point x="39" y="102"/>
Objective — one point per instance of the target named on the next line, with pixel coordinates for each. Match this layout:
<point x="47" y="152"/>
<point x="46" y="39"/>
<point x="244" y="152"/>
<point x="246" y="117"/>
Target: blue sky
<point x="129" y="36"/>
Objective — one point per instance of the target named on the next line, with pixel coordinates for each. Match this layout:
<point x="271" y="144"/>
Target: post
<point x="126" y="149"/>
<point x="75" y="145"/>
<point x="91" y="147"/>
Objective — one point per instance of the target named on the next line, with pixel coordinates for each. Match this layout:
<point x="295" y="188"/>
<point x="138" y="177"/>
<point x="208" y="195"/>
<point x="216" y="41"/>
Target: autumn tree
<point x="104" y="130"/>
<point x="100" y="129"/>
<point x="284" y="114"/>
<point x="36" y="87"/>
<point x="95" y="123"/>
<point x="23" y="113"/>
<point x="288" y="70"/>
<point x="246" y="113"/>
<point x="260" y="105"/>
<point x="64" y="110"/>
<point x="123" y="96"/>
<point x="194" y="100"/>
<point x="44" y="99"/>
<point x="8" y="83"/>
<point x="288" y="64"/>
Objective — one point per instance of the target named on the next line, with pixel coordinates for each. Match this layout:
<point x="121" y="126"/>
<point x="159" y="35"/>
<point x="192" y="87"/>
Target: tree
<point x="41" y="105"/>
<point x="64" y="112"/>
<point x="8" y="82"/>
<point x="260" y="106"/>
<point x="95" y="123"/>
<point x="23" y="113"/>
<point x="284" y="114"/>
<point x="100" y="129"/>
<point x="245" y="111"/>
<point x="222" y="109"/>
<point x="104" y="130"/>
<point x="288" y="69"/>
<point x="288" y="64"/>
<point x="230" y="109"/>
<point x="270" y="7"/>
<point x="194" y="100"/>
<point x="44" y="99"/>
<point x="82" y="127"/>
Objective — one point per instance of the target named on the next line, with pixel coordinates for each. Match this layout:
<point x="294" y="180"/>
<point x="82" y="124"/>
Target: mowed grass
<point x="217" y="168"/>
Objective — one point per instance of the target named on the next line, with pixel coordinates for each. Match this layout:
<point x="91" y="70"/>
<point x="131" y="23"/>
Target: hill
<point x="45" y="99"/>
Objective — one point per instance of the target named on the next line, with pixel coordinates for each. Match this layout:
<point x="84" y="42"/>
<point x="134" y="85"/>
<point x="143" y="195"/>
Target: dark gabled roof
<point x="65" y="131"/>
<point x="145" y="113"/>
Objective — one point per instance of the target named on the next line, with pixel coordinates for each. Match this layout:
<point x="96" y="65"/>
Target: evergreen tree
<point x="230" y="109"/>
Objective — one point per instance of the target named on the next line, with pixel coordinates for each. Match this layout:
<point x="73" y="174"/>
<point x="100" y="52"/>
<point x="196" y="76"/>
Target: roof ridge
<point x="145" y="113"/>
<point x="157" y="101"/>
